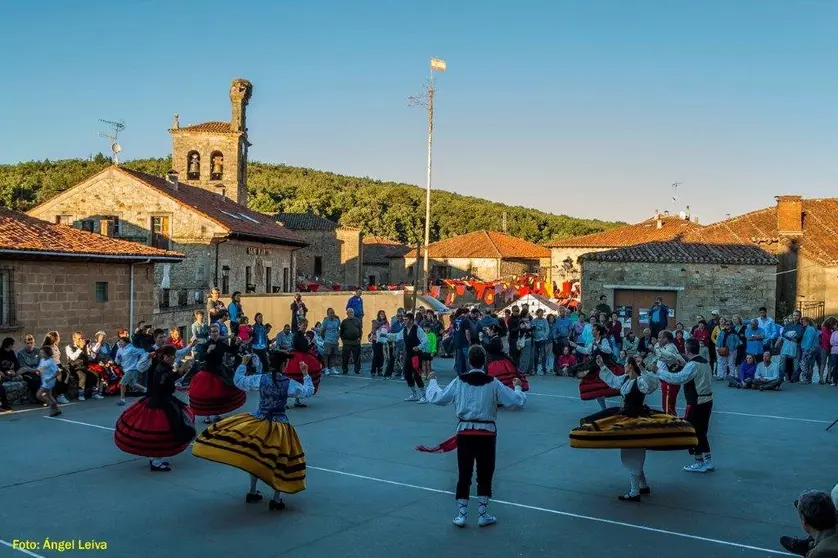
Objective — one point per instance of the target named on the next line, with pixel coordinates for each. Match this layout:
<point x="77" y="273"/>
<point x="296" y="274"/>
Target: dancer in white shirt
<point x="476" y="397"/>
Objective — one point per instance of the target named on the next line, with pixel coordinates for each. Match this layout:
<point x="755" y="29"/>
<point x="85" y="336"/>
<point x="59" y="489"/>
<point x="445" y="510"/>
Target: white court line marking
<point x="715" y="412"/>
<point x="27" y="552"/>
<point x="34" y="409"/>
<point x="517" y="505"/>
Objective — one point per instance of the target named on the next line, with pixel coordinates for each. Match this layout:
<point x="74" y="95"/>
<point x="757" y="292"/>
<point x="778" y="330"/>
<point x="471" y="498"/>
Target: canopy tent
<point x="535" y="302"/>
<point x="430" y="302"/>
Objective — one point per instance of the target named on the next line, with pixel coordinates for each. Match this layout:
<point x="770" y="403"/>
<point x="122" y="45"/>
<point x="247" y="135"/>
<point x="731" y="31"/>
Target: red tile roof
<point x="629" y="235"/>
<point x="21" y="233"/>
<point x="485" y="244"/>
<point x="209" y="127"/>
<point x="379" y="249"/>
<point x="236" y="218"/>
<point x="675" y="251"/>
<point x="820" y="230"/>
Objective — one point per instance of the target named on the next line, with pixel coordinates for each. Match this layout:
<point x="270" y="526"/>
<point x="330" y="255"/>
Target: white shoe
<point x="98" y="396"/>
<point x="61" y="399"/>
<point x="485" y="518"/>
<point x="422" y="401"/>
<point x="413" y="397"/>
<point x="697" y="467"/>
<point x="462" y="513"/>
<point x="81" y="397"/>
<point x="708" y="464"/>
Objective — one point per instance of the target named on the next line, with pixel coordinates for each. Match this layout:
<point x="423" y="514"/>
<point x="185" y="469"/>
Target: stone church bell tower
<point x="213" y="155"/>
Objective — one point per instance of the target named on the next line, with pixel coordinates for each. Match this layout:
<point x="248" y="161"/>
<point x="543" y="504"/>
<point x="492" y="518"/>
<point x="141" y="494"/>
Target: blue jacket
<point x="356" y="303"/>
<point x="663" y="318"/>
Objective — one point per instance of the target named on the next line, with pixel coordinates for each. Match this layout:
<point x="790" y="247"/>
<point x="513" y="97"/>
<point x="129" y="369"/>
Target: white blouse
<point x="476" y="403"/>
<point x="647" y="383"/>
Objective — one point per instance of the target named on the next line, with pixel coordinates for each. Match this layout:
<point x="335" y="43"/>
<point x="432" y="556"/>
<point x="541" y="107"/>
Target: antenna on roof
<point x="113" y="136"/>
<point x="675" y="192"/>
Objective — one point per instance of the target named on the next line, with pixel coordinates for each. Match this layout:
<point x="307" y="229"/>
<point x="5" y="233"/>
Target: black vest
<point x="690" y="392"/>
<point x="412" y="339"/>
<point x="634" y="402"/>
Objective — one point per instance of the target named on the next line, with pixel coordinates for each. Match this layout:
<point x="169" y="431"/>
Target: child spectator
<point x="48" y="371"/>
<point x="566" y="360"/>
<point x="245" y="330"/>
<point x="428" y="356"/>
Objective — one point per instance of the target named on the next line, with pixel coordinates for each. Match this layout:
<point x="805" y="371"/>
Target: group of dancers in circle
<point x="263" y="443"/>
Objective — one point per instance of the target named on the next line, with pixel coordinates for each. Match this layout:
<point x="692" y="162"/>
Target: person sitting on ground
<point x="818" y="519"/>
<point x="747" y="370"/>
<point x="767" y="375"/>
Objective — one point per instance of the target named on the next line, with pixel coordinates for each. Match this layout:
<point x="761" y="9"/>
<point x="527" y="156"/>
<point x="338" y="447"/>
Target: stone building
<point x="334" y="253"/>
<point x="802" y="234"/>
<point x="382" y="258"/>
<point x="483" y="255"/>
<point x="693" y="279"/>
<point x="565" y="253"/>
<point x="225" y="244"/>
<point x="54" y="277"/>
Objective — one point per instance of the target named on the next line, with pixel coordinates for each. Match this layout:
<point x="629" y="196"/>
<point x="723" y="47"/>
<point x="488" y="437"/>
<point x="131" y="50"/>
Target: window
<point x="225" y="280"/>
<point x="101" y="291"/>
<point x="268" y="280"/>
<point x="371" y="280"/>
<point x="248" y="279"/>
<point x="7" y="294"/>
<point x="164" y="298"/>
<point x="286" y="276"/>
<point x="63" y="220"/>
<point x="87" y="225"/>
<point x="160" y="232"/>
<point x="109" y="226"/>
<point x="318" y="266"/>
<point x="183" y="297"/>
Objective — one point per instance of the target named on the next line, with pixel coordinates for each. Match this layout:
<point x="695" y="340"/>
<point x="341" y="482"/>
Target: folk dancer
<point x="415" y="343"/>
<point x="476" y="397"/>
<point x="159" y="425"/>
<point x="667" y="352"/>
<point x="264" y="443"/>
<point x="697" y="379"/>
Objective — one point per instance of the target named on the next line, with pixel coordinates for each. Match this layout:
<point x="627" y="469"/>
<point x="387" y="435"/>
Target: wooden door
<point x="633" y="306"/>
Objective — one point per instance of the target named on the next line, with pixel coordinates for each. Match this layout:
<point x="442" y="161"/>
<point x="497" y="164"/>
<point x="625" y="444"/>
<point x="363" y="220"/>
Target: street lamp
<point x="427" y="100"/>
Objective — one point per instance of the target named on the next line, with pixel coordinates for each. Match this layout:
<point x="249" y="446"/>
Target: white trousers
<point x="633" y="460"/>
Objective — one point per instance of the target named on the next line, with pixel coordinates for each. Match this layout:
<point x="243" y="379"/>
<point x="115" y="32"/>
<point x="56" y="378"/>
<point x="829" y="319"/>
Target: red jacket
<point x="826" y="333"/>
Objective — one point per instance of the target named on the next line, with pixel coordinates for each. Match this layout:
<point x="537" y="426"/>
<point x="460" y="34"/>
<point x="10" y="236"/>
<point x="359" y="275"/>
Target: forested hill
<point x="378" y="208"/>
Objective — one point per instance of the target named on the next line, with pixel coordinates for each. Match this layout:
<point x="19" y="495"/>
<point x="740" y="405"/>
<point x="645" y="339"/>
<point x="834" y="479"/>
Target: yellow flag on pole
<point x="438" y="65"/>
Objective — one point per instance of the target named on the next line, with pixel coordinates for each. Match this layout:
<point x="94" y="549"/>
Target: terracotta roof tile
<point x="379" y="249"/>
<point x="236" y="218"/>
<point x="485" y="244"/>
<point x="629" y="235"/>
<point x="819" y="240"/>
<point x="209" y="127"/>
<point x="305" y="222"/>
<point x="20" y="232"/>
<point x="675" y="251"/>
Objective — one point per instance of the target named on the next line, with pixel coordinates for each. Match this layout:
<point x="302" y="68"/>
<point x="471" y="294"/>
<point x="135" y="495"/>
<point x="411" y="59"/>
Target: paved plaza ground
<point x="371" y="494"/>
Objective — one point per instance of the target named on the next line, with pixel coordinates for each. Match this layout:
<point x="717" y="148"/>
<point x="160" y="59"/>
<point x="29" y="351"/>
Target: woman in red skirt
<point x="211" y="392"/>
<point x="301" y="352"/>
<point x="158" y="425"/>
<point x="499" y="365"/>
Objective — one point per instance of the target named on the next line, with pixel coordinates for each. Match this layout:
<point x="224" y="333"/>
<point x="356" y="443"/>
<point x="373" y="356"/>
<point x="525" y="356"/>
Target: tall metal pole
<point x="425" y="282"/>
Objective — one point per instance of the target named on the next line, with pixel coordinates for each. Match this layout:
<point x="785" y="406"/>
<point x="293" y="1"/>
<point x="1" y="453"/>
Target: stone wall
<point x="61" y="296"/>
<point x="276" y="308"/>
<point x="815" y="283"/>
<point x="484" y="269"/>
<point x="351" y="255"/>
<point x="205" y="144"/>
<point x="731" y="289"/>
<point x="559" y="272"/>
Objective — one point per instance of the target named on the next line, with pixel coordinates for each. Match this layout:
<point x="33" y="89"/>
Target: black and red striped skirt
<point x="506" y="371"/>
<point x="592" y="387"/>
<point x="148" y="432"/>
<point x="209" y="395"/>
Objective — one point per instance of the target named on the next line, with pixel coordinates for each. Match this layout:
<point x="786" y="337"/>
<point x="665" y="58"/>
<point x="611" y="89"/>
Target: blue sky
<point x="590" y="107"/>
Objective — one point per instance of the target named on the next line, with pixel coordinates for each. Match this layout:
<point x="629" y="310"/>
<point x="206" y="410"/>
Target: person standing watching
<point x="350" y="336"/>
<point x="658" y="317"/>
<point x="356" y="304"/>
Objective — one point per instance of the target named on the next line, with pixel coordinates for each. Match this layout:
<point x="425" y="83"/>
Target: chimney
<point x="789" y="215"/>
<point x="660" y="223"/>
<point x="171" y="178"/>
<point x="240" y="93"/>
